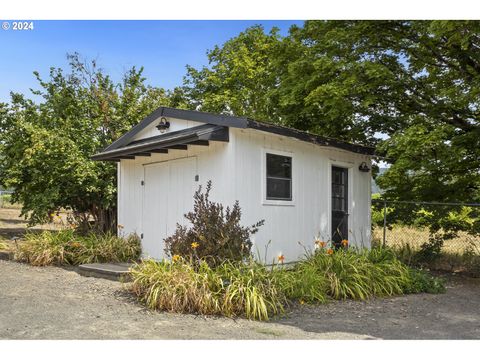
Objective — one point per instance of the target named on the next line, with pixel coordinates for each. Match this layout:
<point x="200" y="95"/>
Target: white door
<point x="168" y="195"/>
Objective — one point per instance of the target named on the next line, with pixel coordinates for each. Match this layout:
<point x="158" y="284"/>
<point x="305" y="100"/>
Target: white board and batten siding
<point x="237" y="170"/>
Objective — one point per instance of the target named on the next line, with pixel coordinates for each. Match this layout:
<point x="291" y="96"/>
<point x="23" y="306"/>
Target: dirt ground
<point x="12" y="225"/>
<point x="56" y="303"/>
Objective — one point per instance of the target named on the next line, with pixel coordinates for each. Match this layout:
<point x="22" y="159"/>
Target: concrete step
<point x="6" y="255"/>
<point x="111" y="271"/>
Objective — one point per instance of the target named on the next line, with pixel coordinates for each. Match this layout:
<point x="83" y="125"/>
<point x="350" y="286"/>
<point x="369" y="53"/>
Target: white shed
<point x="304" y="186"/>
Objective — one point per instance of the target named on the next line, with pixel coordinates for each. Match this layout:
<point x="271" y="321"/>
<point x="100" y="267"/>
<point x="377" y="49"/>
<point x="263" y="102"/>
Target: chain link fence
<point x="413" y="225"/>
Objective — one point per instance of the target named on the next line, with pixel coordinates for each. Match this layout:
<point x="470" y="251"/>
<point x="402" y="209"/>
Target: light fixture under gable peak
<point x="163" y="125"/>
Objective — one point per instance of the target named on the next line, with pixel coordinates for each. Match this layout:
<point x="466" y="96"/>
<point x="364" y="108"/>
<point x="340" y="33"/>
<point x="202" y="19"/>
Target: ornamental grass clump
<point x="44" y="248"/>
<point x="360" y="275"/>
<point x="177" y="286"/>
<point x="250" y="289"/>
<point x="103" y="248"/>
<point x="229" y="289"/>
<point x="65" y="247"/>
<point x="303" y="282"/>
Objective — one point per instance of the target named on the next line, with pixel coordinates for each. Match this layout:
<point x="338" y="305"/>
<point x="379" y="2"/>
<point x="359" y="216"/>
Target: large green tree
<point x="410" y="88"/>
<point x="46" y="144"/>
<point x="416" y="82"/>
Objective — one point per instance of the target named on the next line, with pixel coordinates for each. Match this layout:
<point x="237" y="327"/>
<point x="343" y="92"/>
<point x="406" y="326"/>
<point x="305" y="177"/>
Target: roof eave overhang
<point x="202" y="134"/>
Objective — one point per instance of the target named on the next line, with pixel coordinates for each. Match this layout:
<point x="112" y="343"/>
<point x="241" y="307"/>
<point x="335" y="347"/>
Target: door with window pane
<point x="339" y="205"/>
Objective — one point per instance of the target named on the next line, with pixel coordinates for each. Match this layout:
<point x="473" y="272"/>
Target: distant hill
<point x="375" y="188"/>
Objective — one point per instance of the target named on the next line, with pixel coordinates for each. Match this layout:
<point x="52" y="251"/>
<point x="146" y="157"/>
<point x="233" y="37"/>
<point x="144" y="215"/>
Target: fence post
<point x="384" y="223"/>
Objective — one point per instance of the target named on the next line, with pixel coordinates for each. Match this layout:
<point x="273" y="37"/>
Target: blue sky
<point x="162" y="47"/>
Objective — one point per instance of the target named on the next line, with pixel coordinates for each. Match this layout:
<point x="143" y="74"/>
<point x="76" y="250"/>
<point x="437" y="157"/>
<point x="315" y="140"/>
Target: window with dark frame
<point x="279" y="177"/>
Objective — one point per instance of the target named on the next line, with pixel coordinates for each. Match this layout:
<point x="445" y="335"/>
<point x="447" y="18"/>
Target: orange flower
<point x="330" y="251"/>
<point x="322" y="244"/>
<point x="344" y="242"/>
<point x="194" y="245"/>
<point x="281" y="258"/>
<point x="176" y="258"/>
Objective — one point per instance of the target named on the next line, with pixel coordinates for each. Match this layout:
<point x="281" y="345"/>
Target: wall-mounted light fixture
<point x="364" y="167"/>
<point x="163" y="125"/>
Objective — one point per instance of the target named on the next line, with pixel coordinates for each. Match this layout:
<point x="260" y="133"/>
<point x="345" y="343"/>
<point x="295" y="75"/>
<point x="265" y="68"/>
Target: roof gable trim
<point x="203" y="117"/>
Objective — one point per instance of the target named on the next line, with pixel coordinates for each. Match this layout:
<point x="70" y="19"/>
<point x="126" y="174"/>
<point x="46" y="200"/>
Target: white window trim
<point x="263" y="177"/>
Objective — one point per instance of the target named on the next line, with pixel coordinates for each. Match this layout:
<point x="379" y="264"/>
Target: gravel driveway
<point x="55" y="303"/>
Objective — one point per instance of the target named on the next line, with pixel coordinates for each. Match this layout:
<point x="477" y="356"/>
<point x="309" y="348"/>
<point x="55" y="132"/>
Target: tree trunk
<point x="106" y="220"/>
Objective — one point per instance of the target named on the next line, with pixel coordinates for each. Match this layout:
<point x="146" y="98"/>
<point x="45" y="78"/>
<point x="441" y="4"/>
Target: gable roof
<point x="198" y="116"/>
<point x="125" y="142"/>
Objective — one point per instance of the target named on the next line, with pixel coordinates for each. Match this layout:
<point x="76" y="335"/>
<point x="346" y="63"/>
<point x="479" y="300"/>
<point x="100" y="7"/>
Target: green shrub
<point x="421" y="281"/>
<point x="215" y="234"/>
<point x="66" y="247"/>
<point x="231" y="289"/>
<point x="431" y="250"/>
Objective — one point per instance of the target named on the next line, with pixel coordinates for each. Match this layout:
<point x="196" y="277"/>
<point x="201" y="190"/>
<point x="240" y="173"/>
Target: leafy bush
<point x="215" y="235"/>
<point x="430" y="250"/>
<point x="231" y="289"/>
<point x="420" y="281"/>
<point x="66" y="247"/>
